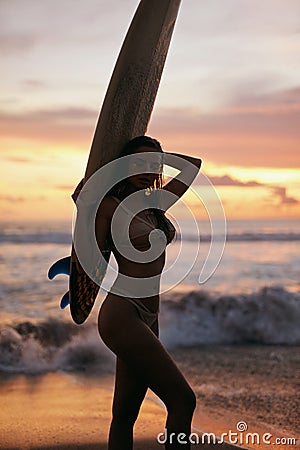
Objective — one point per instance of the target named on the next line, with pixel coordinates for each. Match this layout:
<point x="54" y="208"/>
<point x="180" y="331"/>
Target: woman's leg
<point x="139" y="348"/>
<point x="129" y="393"/>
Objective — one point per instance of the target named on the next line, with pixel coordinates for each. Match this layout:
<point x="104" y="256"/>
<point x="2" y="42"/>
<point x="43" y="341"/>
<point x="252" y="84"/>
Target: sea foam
<point x="269" y="316"/>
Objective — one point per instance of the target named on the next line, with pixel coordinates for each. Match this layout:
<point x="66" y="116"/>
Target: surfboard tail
<point x="83" y="293"/>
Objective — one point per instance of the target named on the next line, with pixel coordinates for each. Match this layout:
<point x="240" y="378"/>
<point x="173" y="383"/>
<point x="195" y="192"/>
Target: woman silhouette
<point x="128" y="318"/>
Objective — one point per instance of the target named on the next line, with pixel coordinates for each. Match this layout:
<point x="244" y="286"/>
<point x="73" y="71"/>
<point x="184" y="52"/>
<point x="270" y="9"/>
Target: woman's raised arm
<point x="189" y="168"/>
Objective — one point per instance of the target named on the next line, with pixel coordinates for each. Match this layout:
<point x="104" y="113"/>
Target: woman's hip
<point x="119" y="316"/>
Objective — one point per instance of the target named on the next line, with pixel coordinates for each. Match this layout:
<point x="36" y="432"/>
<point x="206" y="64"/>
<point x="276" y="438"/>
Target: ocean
<point x="245" y="317"/>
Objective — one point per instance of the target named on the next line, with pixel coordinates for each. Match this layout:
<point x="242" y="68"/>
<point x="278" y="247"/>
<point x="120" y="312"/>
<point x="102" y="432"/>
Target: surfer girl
<point x="128" y="317"/>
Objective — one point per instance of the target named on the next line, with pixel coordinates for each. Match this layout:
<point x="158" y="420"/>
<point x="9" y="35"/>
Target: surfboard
<point x="125" y="113"/>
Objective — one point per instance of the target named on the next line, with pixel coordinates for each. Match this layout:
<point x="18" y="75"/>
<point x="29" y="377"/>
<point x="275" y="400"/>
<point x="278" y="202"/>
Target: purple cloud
<point x="280" y="192"/>
<point x="284" y="199"/>
<point x="226" y="180"/>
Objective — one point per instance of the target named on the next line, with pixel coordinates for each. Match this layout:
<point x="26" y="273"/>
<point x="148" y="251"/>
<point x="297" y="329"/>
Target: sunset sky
<point x="230" y="94"/>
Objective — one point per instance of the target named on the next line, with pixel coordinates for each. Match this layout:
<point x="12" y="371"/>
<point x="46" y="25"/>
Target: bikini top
<point x="132" y="234"/>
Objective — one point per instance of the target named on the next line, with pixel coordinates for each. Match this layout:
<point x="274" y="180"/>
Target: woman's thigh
<point x="129" y="393"/>
<point x="130" y="388"/>
<point x="137" y="345"/>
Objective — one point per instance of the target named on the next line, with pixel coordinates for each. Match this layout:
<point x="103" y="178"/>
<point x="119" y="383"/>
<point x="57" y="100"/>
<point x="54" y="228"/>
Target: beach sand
<point x="256" y="384"/>
<point x="58" y="411"/>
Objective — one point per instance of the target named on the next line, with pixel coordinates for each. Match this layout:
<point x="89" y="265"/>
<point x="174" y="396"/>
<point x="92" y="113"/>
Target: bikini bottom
<point x="147" y="316"/>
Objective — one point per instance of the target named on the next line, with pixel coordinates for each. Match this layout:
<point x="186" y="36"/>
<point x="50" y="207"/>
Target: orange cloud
<point x="70" y="126"/>
<point x="11" y="199"/>
<point x="252" y="132"/>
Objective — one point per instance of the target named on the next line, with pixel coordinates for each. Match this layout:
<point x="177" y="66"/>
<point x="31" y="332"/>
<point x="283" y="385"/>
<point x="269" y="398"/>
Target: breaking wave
<point x="269" y="316"/>
<point x="51" y="346"/>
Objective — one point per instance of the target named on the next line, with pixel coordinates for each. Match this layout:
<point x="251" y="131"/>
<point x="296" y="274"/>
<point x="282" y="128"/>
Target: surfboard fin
<point x="65" y="301"/>
<point x="60" y="267"/>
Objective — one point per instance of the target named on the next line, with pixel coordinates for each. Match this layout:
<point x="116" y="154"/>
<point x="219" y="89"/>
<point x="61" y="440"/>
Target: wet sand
<point x="254" y="384"/>
<point x="58" y="411"/>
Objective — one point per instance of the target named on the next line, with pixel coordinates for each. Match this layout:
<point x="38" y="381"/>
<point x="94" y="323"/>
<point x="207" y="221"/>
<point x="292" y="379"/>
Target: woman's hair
<point x="119" y="190"/>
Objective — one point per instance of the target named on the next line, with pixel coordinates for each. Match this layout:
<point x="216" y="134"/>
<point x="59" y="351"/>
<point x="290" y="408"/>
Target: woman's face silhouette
<point x="148" y="162"/>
